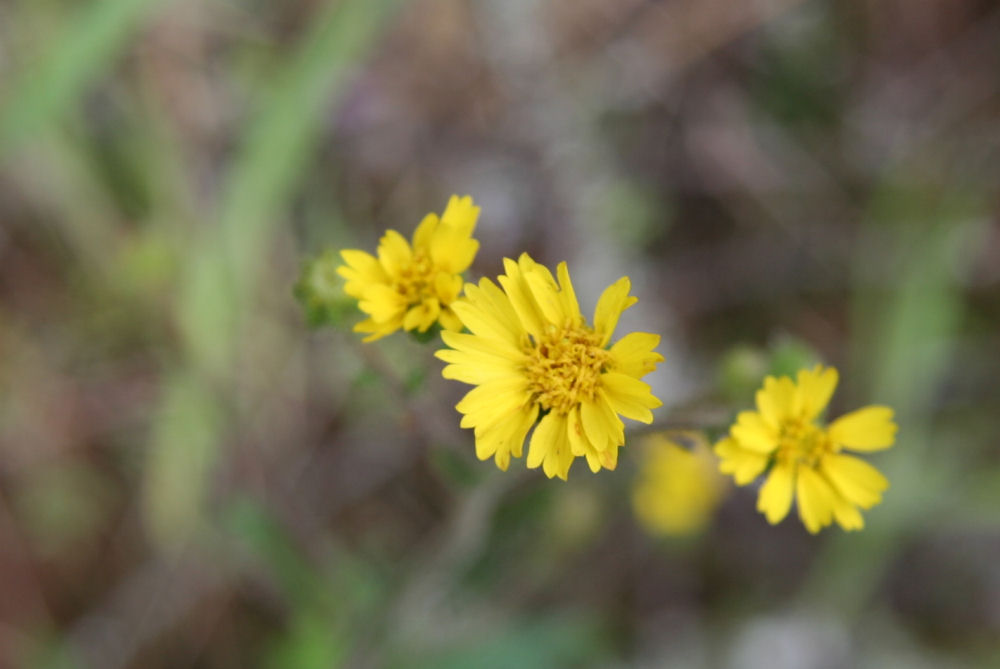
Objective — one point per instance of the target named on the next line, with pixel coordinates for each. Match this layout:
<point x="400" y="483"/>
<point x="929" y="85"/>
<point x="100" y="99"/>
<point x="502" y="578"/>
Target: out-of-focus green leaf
<point x="47" y="651"/>
<point x="182" y="453"/>
<point x="90" y="42"/>
<point x="789" y="355"/>
<point x="265" y="539"/>
<point x="740" y="372"/>
<point x="275" y="151"/>
<point x="312" y="642"/>
<point x="541" y="643"/>
<point x="281" y="139"/>
<point x="320" y="291"/>
<point x="904" y="338"/>
<point x="217" y="289"/>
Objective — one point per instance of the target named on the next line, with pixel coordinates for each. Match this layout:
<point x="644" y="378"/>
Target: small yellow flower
<point x="805" y="457"/>
<point x="678" y="488"/>
<point x="413" y="287"/>
<point x="532" y="354"/>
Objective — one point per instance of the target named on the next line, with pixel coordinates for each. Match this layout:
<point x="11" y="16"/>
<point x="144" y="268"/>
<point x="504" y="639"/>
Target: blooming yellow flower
<point x="413" y="287"/>
<point x="532" y="354"/>
<point x="678" y="488"/>
<point x="806" y="458"/>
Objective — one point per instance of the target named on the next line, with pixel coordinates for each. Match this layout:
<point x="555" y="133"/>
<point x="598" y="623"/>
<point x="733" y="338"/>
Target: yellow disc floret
<point x="564" y="367"/>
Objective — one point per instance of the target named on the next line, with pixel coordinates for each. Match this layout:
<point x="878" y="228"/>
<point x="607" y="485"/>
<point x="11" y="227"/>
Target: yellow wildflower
<point x="532" y="354"/>
<point x="805" y="457"/>
<point x="678" y="488"/>
<point x="413" y="287"/>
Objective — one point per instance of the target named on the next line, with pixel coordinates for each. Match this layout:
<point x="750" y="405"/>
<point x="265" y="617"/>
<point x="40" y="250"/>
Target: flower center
<point x="416" y="281"/>
<point x="564" y="367"/>
<point x="803" y="442"/>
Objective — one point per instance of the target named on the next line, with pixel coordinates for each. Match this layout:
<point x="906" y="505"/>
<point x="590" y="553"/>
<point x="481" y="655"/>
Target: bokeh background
<point x="192" y="477"/>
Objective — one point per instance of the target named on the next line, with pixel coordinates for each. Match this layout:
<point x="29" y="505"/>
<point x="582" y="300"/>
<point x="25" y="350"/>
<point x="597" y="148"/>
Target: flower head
<point x="413" y="286"/>
<point x="321" y="290"/>
<point x="678" y="488"/>
<point x="806" y="458"/>
<point x="532" y="355"/>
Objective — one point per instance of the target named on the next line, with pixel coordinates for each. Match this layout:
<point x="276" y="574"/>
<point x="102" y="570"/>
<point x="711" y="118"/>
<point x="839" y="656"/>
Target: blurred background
<point x="190" y="476"/>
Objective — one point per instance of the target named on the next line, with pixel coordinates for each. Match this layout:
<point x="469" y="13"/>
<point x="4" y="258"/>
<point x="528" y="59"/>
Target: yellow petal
<point x="493" y="399"/>
<point x="847" y="515"/>
<point x="855" y="479"/>
<point x="383" y="303"/>
<point x="479" y="312"/>
<point x="362" y="271"/>
<point x="478" y="373"/>
<point x="607" y="459"/>
<point x="541" y="440"/>
<point x="377" y="330"/>
<point x="498" y="303"/>
<point x="422" y="316"/>
<point x="452" y="248"/>
<point x="776" y="399"/>
<point x="449" y="321"/>
<point x="516" y="287"/>
<point x="549" y="447"/>
<point x="867" y="429"/>
<point x="815" y="388"/>
<point x="560" y="457"/>
<point x="613" y="301"/>
<point x="447" y="287"/>
<point x="775" y="497"/>
<point x="629" y="396"/>
<point x="451" y="251"/>
<point x="394" y="252"/>
<point x="598" y="432"/>
<point x="816" y="500"/>
<point x="461" y="213"/>
<point x="578" y="441"/>
<point x="633" y="354"/>
<point x="478" y="345"/>
<point x="506" y="438"/>
<point x="610" y="419"/>
<point x="743" y="464"/>
<point x="546" y="296"/>
<point x="482" y="358"/>
<point x="754" y="433"/>
<point x="361" y="266"/>
<point x="568" y="295"/>
<point x="424" y="232"/>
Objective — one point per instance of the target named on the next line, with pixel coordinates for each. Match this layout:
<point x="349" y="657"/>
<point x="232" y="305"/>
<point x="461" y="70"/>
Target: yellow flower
<point x="532" y="354"/>
<point x="806" y="457"/>
<point x="413" y="287"/>
<point x="678" y="488"/>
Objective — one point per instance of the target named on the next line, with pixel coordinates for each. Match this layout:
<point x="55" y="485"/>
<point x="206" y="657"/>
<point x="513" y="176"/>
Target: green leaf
<point x="182" y="454"/>
<point x="254" y="527"/>
<point x="789" y="355"/>
<point x="531" y="644"/>
<point x="90" y="42"/>
<point x="312" y="642"/>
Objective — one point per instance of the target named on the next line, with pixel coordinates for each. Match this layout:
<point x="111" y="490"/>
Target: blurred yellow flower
<point x="805" y="457"/>
<point x="532" y="354"/>
<point x="413" y="287"/>
<point x="678" y="488"/>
